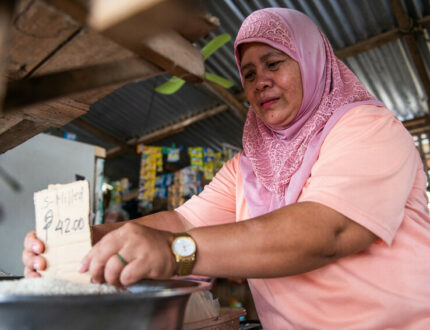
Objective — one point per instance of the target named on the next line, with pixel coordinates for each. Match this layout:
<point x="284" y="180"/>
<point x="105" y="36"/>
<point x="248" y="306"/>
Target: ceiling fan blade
<point x="171" y="86"/>
<point x="214" y="44"/>
<point x="219" y="80"/>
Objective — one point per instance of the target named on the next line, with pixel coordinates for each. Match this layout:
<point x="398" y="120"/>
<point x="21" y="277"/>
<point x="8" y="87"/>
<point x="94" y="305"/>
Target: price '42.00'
<point x="67" y="225"/>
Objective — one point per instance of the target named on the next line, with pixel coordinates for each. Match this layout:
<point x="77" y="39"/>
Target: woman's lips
<point x="267" y="103"/>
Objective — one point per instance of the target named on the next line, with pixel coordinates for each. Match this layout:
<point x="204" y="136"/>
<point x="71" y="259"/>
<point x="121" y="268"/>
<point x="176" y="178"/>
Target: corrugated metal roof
<point x="387" y="71"/>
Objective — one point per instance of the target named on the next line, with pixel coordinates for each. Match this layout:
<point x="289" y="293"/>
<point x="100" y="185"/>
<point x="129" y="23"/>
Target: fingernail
<point x="36" y="265"/>
<point x="81" y="268"/>
<point x="35" y="248"/>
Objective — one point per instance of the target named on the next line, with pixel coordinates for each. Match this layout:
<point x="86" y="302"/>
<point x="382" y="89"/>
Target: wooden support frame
<point x="168" y="130"/>
<point x="143" y="27"/>
<point x="234" y="104"/>
<point x="406" y="24"/>
<point x="6" y="12"/>
<point x="51" y="86"/>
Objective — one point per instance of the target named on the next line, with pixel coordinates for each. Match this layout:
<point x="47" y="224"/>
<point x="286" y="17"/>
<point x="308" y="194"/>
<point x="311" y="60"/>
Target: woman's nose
<point x="263" y="82"/>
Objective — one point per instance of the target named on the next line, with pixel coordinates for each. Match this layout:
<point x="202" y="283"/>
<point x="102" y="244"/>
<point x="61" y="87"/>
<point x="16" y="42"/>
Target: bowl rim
<point x="137" y="291"/>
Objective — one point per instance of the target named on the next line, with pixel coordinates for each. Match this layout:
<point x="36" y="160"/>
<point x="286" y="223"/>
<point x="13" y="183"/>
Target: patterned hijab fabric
<point x="273" y="157"/>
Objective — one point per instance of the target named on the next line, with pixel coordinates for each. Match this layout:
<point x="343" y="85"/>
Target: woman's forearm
<point x="166" y="220"/>
<point x="289" y="241"/>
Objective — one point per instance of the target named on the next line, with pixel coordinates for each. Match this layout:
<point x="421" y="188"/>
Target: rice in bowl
<point x="51" y="286"/>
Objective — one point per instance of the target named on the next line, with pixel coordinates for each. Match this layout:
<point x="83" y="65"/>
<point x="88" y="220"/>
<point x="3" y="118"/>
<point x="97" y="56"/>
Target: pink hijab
<point x="276" y="162"/>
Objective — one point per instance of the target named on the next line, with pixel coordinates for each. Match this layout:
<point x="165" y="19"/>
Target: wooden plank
<point x="415" y="122"/>
<point x="85" y="49"/>
<point x="38" y="30"/>
<point x="195" y="29"/>
<point x="173" y="53"/>
<point x="131" y="22"/>
<point x="142" y="17"/>
<point x="161" y="133"/>
<point x="78" y="10"/>
<point x="18" y="133"/>
<point x="406" y="24"/>
<point x="424" y="22"/>
<point x="378" y="40"/>
<point x="119" y="150"/>
<point x="53" y="114"/>
<point x="191" y="29"/>
<point x="368" y="44"/>
<point x="86" y="125"/>
<point x="236" y="106"/>
<point x="7" y="121"/>
<point x="54" y="85"/>
<point x="136" y="25"/>
<point x="18" y="126"/>
<point x="167" y="131"/>
<point x="6" y="12"/>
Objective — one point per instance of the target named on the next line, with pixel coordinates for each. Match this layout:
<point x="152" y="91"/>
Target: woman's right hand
<point x="30" y="256"/>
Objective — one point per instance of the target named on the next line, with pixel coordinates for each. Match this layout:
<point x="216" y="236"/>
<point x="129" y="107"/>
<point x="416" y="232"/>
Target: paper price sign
<point x="62" y="223"/>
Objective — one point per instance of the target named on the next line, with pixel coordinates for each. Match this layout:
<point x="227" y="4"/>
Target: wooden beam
<point x="54" y="85"/>
<point x="415" y="122"/>
<point x="172" y="52"/>
<point x="6" y="12"/>
<point x="368" y="44"/>
<point x="53" y="114"/>
<point x="420" y="130"/>
<point x="78" y="10"/>
<point x="191" y="29"/>
<point x="225" y="96"/>
<point x="16" y="129"/>
<point x="161" y="133"/>
<point x="418" y="125"/>
<point x="41" y="31"/>
<point x="406" y="24"/>
<point x="142" y="27"/>
<point x="86" y="125"/>
<point x="424" y="22"/>
<point x="153" y="16"/>
<point x="168" y="130"/>
<point x="195" y="29"/>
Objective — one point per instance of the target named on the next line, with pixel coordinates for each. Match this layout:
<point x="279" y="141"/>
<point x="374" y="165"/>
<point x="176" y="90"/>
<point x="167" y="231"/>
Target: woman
<point x="337" y="230"/>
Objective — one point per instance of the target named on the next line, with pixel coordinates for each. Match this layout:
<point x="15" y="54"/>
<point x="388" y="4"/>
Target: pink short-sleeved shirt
<point x="369" y="170"/>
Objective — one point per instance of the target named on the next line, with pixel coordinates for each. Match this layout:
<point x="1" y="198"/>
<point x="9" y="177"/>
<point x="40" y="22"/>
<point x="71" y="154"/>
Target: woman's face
<point x="272" y="83"/>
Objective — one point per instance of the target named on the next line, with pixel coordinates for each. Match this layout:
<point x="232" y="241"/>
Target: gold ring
<point x="121" y="259"/>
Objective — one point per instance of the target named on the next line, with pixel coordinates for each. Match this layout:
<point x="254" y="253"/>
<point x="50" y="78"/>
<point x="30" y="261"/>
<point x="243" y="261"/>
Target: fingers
<point x="146" y="250"/>
<point x="32" y="243"/>
<point x="29" y="273"/>
<point x="139" y="269"/>
<point x="94" y="262"/>
<point x="32" y="261"/>
<point x="113" y="270"/>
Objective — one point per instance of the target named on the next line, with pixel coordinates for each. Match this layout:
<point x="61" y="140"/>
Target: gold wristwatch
<point x="184" y="249"/>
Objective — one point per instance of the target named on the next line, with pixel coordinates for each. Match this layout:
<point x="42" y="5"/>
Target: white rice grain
<point x="51" y="286"/>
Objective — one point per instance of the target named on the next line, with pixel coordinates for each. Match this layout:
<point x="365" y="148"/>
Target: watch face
<point x="184" y="246"/>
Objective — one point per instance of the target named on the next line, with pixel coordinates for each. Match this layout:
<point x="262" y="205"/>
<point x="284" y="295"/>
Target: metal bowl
<point x="152" y="304"/>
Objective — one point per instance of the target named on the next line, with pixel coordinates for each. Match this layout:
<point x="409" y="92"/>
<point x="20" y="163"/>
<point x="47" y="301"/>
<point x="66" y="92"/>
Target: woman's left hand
<point x="146" y="251"/>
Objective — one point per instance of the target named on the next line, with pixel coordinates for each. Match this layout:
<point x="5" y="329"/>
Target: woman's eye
<point x="248" y="75"/>
<point x="274" y="65"/>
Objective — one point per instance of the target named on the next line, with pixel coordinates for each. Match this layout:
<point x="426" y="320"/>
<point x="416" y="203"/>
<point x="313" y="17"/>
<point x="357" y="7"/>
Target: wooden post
<point x="406" y="24"/>
<point x="6" y="11"/>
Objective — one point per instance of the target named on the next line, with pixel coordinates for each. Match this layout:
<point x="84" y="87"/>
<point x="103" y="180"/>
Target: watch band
<point x="185" y="266"/>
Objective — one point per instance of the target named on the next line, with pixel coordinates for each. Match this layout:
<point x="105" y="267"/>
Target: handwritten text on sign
<point x="62" y="223"/>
